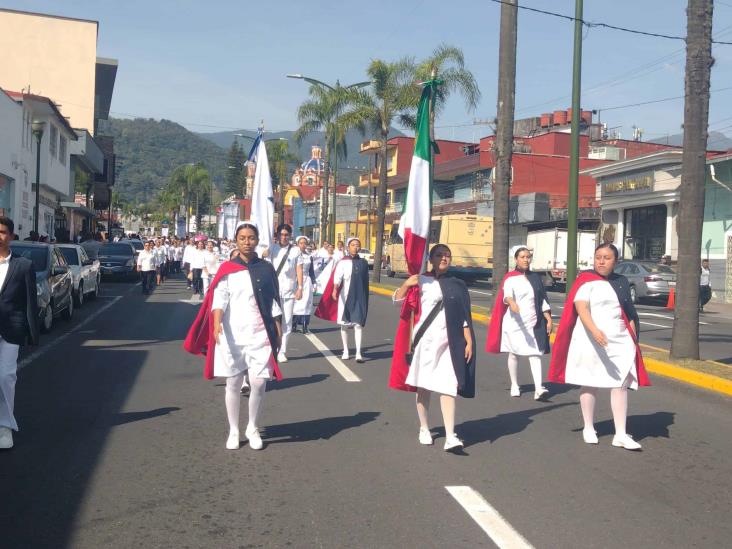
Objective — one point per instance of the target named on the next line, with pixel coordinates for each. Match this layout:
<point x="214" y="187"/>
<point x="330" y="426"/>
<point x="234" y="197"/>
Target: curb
<point x="679" y="373"/>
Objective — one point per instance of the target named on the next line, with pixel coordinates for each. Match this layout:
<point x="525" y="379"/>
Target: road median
<point x="713" y="376"/>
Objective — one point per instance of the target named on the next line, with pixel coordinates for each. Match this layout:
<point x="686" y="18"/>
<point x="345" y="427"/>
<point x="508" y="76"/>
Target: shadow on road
<point x="316" y="429"/>
<point x="290" y="382"/>
<point x="491" y="429"/>
<point x="655" y="425"/>
<point x="130" y="417"/>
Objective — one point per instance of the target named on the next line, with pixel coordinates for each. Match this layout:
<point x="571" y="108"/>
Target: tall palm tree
<point x="189" y="181"/>
<point x="328" y="110"/>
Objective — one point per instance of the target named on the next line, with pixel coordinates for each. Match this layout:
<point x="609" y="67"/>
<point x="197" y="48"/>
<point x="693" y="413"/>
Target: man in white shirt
<point x="188" y="250"/>
<point x="146" y="267"/>
<point x="288" y="263"/>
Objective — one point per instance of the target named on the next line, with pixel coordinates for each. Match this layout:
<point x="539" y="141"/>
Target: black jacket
<point x="456" y="300"/>
<point x="18" y="305"/>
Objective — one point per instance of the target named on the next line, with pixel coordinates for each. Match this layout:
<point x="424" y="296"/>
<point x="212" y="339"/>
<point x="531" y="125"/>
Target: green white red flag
<point x="414" y="227"/>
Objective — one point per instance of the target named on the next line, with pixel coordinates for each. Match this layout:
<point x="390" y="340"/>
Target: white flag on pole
<point x="262" y="198"/>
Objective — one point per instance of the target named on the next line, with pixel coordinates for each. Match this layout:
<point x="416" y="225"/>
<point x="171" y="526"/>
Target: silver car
<point x="85" y="273"/>
<point x="647" y="279"/>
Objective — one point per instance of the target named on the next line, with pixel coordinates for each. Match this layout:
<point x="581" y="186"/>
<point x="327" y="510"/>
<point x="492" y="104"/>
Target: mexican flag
<point x="414" y="227"/>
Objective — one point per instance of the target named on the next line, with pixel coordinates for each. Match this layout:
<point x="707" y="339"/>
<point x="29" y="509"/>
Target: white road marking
<point x="479" y="292"/>
<point x="666" y="317"/>
<point x="51" y="344"/>
<point x="118" y="342"/>
<point x="645" y="323"/>
<point x="498" y="529"/>
<point x="336" y="362"/>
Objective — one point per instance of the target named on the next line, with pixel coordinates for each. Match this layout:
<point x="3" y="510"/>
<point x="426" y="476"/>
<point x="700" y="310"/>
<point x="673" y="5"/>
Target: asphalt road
<point x="122" y="445"/>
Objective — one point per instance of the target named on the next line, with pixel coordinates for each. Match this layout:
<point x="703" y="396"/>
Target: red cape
<point x="493" y="338"/>
<point x="328" y="307"/>
<point x="558" y="365"/>
<point x="200" y="339"/>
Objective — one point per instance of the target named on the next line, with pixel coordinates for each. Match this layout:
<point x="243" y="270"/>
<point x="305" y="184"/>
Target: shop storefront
<point x="639" y="203"/>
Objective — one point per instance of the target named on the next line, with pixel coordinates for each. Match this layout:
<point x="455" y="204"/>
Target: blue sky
<point x="221" y="64"/>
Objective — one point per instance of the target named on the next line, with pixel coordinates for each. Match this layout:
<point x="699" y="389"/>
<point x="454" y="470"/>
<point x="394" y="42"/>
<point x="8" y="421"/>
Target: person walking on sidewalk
<point x="521" y="322"/>
<point x="146" y="267"/>
<point x="705" y="286"/>
<point x="438" y="356"/>
<point x="346" y="297"/>
<point x="288" y="263"/>
<point x="304" y="307"/>
<point x="601" y="350"/>
<point x="18" y="324"/>
<point x="238" y="328"/>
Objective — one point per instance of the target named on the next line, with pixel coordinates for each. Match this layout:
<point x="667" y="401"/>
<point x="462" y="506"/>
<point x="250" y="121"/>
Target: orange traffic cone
<point x="671" y="305"/>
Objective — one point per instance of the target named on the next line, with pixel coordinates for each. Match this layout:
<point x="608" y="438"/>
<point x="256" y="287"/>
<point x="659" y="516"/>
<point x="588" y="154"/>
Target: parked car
<point x="368" y="256"/>
<point x="647" y="279"/>
<point x="53" y="281"/>
<point x="85" y="274"/>
<point x="118" y="259"/>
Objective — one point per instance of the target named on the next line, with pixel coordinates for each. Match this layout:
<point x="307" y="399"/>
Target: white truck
<point x="549" y="249"/>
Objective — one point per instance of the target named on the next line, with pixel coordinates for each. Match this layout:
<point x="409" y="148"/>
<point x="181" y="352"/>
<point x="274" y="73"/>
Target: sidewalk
<point x="710" y="375"/>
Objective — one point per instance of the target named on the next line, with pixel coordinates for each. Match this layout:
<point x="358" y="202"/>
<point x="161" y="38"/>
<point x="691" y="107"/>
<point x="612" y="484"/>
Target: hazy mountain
<point x="149" y="150"/>
<point x="303" y="151"/>
<point x="716" y="141"/>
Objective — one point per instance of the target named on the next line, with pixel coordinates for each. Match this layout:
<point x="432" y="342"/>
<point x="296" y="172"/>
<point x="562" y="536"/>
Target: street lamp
<point x="335" y="88"/>
<point x="37" y="127"/>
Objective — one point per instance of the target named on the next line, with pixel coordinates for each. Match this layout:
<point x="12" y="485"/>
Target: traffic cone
<point x="671" y="305"/>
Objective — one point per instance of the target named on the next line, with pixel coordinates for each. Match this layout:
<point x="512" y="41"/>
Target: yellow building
<point x="57" y="57"/>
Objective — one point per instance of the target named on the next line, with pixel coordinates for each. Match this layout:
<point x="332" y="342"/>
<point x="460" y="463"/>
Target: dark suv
<point x="117" y="259"/>
<point x="53" y="280"/>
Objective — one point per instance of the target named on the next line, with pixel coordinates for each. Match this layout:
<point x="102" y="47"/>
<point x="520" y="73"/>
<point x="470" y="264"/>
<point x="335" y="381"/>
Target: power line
<point x="590" y="24"/>
<point x="657" y="100"/>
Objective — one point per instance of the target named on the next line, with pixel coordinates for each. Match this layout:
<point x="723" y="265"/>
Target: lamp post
<point x="335" y="89"/>
<point x="38" y="126"/>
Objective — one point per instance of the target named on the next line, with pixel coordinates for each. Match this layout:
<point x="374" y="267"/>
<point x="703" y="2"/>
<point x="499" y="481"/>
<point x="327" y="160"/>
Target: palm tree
<point x="328" y="110"/>
<point x="187" y="181"/>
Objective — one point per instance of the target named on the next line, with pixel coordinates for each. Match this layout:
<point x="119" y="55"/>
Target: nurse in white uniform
<point x="303" y="308"/>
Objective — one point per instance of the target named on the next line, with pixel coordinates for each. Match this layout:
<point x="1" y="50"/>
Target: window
<point x="53" y="140"/>
<point x="62" y="150"/>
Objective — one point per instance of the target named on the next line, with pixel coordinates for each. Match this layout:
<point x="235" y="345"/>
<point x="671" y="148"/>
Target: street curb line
<point x="678" y="373"/>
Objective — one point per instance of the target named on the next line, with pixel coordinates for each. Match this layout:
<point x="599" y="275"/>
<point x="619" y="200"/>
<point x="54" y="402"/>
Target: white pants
<point x="8" y="375"/>
<point x="207" y="279"/>
<point x="288" y="304"/>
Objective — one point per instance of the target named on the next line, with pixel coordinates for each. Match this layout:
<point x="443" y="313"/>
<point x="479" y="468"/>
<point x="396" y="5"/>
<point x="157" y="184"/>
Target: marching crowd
<point x="257" y="297"/>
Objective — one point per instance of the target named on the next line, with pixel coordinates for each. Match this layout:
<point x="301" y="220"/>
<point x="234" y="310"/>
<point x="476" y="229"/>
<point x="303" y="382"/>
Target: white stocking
<point x="259" y="385"/>
<point x="447" y="403"/>
<point x="232" y="399"/>
<point x="588" y="396"/>
<point x="619" y="405"/>
<point x="358" y="333"/>
<point x="535" y="363"/>
<point x="513" y="369"/>
<point x="344" y="338"/>
<point x="423" y="407"/>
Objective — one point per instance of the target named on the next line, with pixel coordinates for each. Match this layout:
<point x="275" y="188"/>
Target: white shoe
<point x="453" y="443"/>
<point x="345" y="356"/>
<point x="515" y="391"/>
<point x="425" y="437"/>
<point x="281" y="357"/>
<point x="255" y="441"/>
<point x="626" y="441"/>
<point x="6" y="438"/>
<point x="590" y="436"/>
<point x="360" y="359"/>
<point x="232" y="443"/>
<point x="541" y="394"/>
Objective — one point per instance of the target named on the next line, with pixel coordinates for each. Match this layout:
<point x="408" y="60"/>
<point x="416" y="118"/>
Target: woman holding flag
<point x="346" y="297"/>
<point x="238" y="329"/>
<point x="601" y="350"/>
<point x="440" y="357"/>
<point x="521" y="322"/>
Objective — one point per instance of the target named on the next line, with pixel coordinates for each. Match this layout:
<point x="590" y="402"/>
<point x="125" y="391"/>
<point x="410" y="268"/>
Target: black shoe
<point x="245" y="390"/>
<point x="306" y="330"/>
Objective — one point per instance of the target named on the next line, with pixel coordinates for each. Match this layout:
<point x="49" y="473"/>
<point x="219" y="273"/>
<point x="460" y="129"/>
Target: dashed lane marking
<point x="51" y="344"/>
<point x="336" y="362"/>
<point x="498" y="528"/>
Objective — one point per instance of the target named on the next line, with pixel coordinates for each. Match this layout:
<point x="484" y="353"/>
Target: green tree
<point x="235" y="177"/>
<point x="190" y="185"/>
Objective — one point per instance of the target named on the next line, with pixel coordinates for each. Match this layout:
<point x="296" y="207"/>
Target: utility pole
<point x="504" y="138"/>
<point x="573" y="194"/>
<point x="685" y="338"/>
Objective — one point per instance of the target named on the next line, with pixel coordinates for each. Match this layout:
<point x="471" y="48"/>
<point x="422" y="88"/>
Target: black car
<point x="54" y="284"/>
<point x="118" y="259"/>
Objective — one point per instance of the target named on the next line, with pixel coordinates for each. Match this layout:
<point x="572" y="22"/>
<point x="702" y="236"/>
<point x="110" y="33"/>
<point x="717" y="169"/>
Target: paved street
<point x="122" y="445"/>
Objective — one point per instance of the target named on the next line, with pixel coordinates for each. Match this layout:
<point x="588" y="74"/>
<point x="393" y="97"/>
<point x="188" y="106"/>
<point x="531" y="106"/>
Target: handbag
<point x="422" y="329"/>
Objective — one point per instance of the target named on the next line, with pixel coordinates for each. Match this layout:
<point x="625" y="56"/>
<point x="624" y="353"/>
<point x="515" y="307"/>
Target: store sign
<point x="632" y="184"/>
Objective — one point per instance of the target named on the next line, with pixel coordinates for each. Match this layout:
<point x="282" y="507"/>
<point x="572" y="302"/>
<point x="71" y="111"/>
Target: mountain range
<point x="716" y="141"/>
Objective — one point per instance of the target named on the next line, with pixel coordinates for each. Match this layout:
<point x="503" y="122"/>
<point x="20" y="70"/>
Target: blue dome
<point x="315" y="164"/>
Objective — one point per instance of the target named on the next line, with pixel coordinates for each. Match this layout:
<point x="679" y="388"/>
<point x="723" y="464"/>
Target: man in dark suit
<point x="18" y="324"/>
